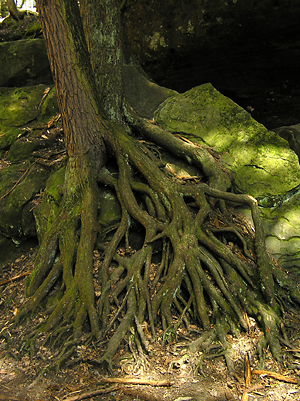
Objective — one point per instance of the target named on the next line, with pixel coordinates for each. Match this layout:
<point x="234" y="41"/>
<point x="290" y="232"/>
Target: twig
<point x="155" y="383"/>
<point x="92" y="393"/>
<point x="17" y="183"/>
<point x="14" y="278"/>
<point x="275" y="375"/>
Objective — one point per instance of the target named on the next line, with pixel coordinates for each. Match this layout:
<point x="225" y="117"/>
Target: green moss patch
<point x="260" y="161"/>
<point x="19" y="106"/>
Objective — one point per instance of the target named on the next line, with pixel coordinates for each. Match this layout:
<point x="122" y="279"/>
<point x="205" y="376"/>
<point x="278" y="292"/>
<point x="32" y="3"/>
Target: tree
<point x="13" y="9"/>
<point x="198" y="278"/>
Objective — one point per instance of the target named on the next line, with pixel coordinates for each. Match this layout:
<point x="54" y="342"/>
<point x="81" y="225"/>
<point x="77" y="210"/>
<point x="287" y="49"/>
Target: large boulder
<point x="282" y="228"/>
<point x="19" y="106"/>
<point x="143" y="95"/>
<point x="24" y="112"/>
<point x="203" y="38"/>
<point x="16" y="216"/>
<point x="167" y="29"/>
<point x="281" y="218"/>
<point x="24" y="62"/>
<point x="260" y="161"/>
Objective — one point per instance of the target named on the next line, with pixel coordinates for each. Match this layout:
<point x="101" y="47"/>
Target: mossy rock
<point x="13" y="200"/>
<point x="9" y="135"/>
<point x="47" y="211"/>
<point x="19" y="106"/>
<point x="23" y="150"/>
<point x="110" y="211"/>
<point x="259" y="160"/>
<point x="24" y="62"/>
<point x="49" y="108"/>
<point x="11" y="174"/>
<point x="282" y="227"/>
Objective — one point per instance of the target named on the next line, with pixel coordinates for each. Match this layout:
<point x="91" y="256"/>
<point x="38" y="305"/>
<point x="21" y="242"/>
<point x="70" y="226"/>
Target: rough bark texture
<point x="13" y="10"/>
<point x="199" y="277"/>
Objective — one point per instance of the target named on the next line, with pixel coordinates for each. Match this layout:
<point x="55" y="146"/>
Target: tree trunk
<point x="13" y="10"/>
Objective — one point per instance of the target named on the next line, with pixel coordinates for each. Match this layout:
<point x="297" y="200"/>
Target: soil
<point x="177" y="372"/>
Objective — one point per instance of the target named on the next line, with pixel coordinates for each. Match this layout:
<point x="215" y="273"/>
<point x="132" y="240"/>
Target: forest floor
<point x="171" y="372"/>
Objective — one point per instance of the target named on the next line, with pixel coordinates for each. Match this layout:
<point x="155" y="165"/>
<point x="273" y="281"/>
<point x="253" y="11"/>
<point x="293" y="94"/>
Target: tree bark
<point x="13" y="9"/>
<point x="70" y="64"/>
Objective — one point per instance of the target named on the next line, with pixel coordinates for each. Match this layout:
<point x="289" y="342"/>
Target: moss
<point x="260" y="161"/>
<point x="110" y="211"/>
<point x="19" y="106"/>
<point x="23" y="151"/>
<point x="49" y="107"/>
<point x="9" y="136"/>
<point x="47" y="211"/>
<point x="33" y="29"/>
<point x="23" y="62"/>
<point x="12" y="205"/>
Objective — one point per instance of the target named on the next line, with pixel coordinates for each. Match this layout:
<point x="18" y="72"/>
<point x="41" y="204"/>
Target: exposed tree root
<point x="185" y="267"/>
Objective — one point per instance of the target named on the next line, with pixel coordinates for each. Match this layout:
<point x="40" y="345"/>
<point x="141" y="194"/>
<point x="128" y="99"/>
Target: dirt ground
<point x="169" y="373"/>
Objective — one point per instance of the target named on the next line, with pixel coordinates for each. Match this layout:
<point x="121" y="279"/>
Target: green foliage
<point x="33" y="30"/>
<point x="3" y="9"/>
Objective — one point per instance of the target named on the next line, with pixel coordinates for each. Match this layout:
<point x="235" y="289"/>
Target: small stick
<point x="17" y="182"/>
<point x="275" y="375"/>
<point x="92" y="393"/>
<point x="14" y="278"/>
<point x="155" y="383"/>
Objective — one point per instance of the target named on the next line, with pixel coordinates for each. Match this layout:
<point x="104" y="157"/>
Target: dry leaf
<point x="245" y="397"/>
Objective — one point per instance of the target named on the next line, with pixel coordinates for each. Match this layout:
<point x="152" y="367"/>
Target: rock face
<point x="282" y="228"/>
<point x="21" y="178"/>
<point x="143" y="95"/>
<point x="260" y="162"/>
<point x="24" y="62"/>
<point x="282" y="222"/>
<point x="249" y="50"/>
<point x="164" y="32"/>
<point x="19" y="106"/>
